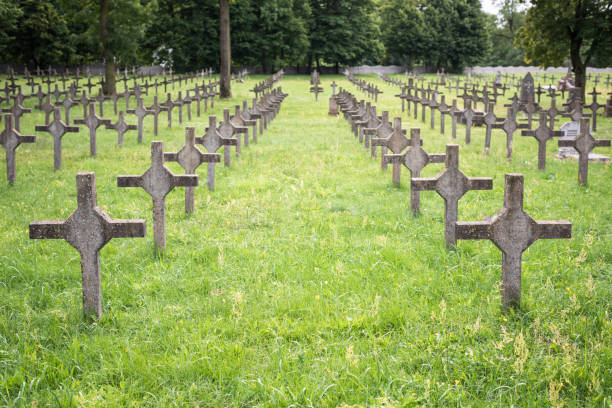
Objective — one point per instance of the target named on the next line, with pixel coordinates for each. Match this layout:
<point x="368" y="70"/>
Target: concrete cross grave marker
<point x="67" y="103"/>
<point x="57" y="129"/>
<point x="158" y="181"/>
<point x="509" y="126"/>
<point x="584" y="144"/>
<point x="468" y="114"/>
<point x="47" y="107"/>
<point x="227" y="129"/>
<point x="490" y="120"/>
<point x="84" y="101"/>
<point x="121" y="127"/>
<point x="250" y="115"/>
<point x="451" y="184"/>
<point x="212" y="141"/>
<point x="594" y="106"/>
<point x="415" y="159"/>
<point x="88" y="229"/>
<point x="333" y="87"/>
<point x="93" y="122"/>
<point x="512" y="230"/>
<point x="140" y="113"/>
<point x="10" y="139"/>
<point x="239" y="120"/>
<point x="155" y="110"/>
<point x="17" y="110"/>
<point x="190" y="158"/>
<point x="542" y="134"/>
<point x="454" y="113"/>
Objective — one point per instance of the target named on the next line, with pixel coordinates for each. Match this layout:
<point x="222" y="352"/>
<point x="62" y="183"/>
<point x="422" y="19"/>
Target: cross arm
<point x="554" y="229"/>
<point x="240" y="129"/>
<point x="424" y="183"/>
<point x="210" y="158"/>
<point x="435" y="157"/>
<point x="229" y="141"/>
<point x="480" y="183"/>
<point x="128" y="228"/>
<point x="32" y="139"/>
<point x="129" y="181"/>
<point x="170" y="156"/>
<point x="528" y="132"/>
<point x="473" y="230"/>
<point x="394" y="158"/>
<point x="567" y="143"/>
<point x="186" y="180"/>
<point x="47" y="230"/>
<point x="602" y="143"/>
<point x="41" y="128"/>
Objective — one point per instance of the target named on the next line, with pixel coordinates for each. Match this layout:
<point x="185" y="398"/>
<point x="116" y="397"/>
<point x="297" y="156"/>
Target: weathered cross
<point x="140" y="113"/>
<point x="10" y="139"/>
<point x="190" y="158"/>
<point x="584" y="144"/>
<point x="451" y="184"/>
<point x="158" y="181"/>
<point x="88" y="229"/>
<point x="388" y="137"/>
<point x="509" y="126"/>
<point x="93" y="122"/>
<point x="121" y="127"/>
<point x="17" y="111"/>
<point x="542" y="134"/>
<point x="212" y="141"/>
<point x="155" y="110"/>
<point x="227" y="129"/>
<point x="512" y="230"/>
<point x="58" y="129"/>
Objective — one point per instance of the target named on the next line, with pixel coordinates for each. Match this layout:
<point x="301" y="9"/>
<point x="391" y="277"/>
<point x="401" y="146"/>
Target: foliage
<point x="9" y="15"/>
<point x="403" y="20"/>
<point x="502" y="29"/>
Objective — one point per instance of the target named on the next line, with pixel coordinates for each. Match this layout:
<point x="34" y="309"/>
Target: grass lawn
<point x="303" y="279"/>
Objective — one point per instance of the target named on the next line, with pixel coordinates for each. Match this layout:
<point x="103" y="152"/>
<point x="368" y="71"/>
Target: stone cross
<point x="250" y="115"/>
<point x="415" y="159"/>
<point x="84" y="101"/>
<point x="584" y="144"/>
<point x="155" y="110"/>
<point x="67" y="104"/>
<point x="121" y="127"/>
<point x="158" y="181"/>
<point x="10" y="139"/>
<point x="47" y="107"/>
<point x="316" y="90"/>
<point x="490" y="120"/>
<point x="468" y="114"/>
<point x="212" y="141"/>
<point x="333" y="86"/>
<point x="239" y="120"/>
<point x="17" y="111"/>
<point x="88" y="229"/>
<point x="451" y="184"/>
<point x="392" y="138"/>
<point x="58" y="129"/>
<point x="227" y="129"/>
<point x="509" y="126"/>
<point x="190" y="158"/>
<point x="140" y="113"/>
<point x="93" y="122"/>
<point x="542" y="134"/>
<point x="512" y="230"/>
<point x="594" y="106"/>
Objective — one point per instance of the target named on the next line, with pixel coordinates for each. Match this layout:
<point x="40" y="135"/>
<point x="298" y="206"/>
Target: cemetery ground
<point x="303" y="279"/>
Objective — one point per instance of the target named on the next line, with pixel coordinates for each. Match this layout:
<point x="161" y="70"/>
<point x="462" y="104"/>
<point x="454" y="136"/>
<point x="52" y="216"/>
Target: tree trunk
<point x="225" y="49"/>
<point x="578" y="66"/>
<point x="337" y="68"/>
<point x="109" y="81"/>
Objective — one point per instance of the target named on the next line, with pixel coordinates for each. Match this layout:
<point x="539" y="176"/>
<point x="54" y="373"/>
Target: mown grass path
<point x="303" y="279"/>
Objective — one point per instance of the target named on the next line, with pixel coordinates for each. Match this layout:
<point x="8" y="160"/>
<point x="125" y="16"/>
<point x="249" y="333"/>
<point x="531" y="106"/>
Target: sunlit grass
<point x="303" y="279"/>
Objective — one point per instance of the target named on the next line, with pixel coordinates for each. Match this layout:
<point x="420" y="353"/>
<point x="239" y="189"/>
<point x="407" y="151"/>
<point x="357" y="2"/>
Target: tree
<point x="344" y="32"/>
<point x="225" y="52"/>
<point x="556" y="29"/>
<point x="403" y="19"/>
<point x="39" y="33"/>
<point x="9" y="15"/>
<point x="502" y="29"/>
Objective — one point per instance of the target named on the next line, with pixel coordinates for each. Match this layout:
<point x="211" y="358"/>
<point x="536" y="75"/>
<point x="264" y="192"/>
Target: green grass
<point x="304" y="280"/>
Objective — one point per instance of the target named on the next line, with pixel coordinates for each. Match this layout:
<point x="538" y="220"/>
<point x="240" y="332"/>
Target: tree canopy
<point x="184" y="34"/>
